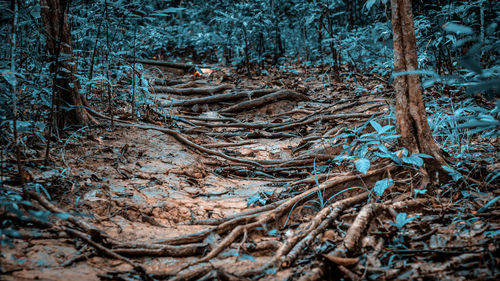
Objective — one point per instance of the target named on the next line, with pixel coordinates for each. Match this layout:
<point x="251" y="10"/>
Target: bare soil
<point x="165" y="195"/>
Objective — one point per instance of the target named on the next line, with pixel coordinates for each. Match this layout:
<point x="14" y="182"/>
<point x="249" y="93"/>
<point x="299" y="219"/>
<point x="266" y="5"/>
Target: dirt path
<point x="166" y="191"/>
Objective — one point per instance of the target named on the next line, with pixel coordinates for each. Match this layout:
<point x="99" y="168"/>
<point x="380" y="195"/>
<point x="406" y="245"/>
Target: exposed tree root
<point x="319" y="223"/>
<point x="91" y="234"/>
<point x="262" y="219"/>
<point x="184" y="66"/>
<point x="273" y="97"/>
<point x="324" y="118"/>
<point x="192" y="91"/>
<point x="314" y="274"/>
<point x="187" y="250"/>
<point x="332" y="239"/>
<point x="363" y="219"/>
<point x="256" y="163"/>
<point x="185" y="141"/>
<point x="222" y="97"/>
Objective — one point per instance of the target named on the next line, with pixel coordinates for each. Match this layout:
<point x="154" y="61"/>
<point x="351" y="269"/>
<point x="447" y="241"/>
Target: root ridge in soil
<point x="227" y="182"/>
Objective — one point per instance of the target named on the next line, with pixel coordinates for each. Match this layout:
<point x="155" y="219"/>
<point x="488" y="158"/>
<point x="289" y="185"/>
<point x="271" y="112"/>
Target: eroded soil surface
<point x="164" y="193"/>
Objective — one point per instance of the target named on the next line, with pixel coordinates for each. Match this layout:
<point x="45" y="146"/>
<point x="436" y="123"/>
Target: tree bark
<point x="411" y="119"/>
<point x="66" y="86"/>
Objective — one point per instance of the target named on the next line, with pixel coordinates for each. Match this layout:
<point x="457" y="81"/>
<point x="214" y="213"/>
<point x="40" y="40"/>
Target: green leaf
<point x="402" y="220"/>
<point x="167" y="11"/>
<point x="491" y="28"/>
<point x="63" y="216"/>
<point x="452" y="172"/>
<point x="376" y="126"/>
<point x="422" y="155"/>
<point x="413" y="159"/>
<point x="488" y="205"/>
<point x="22" y="126"/>
<point x="471" y="64"/>
<point x="39" y="188"/>
<point x="11" y="232"/>
<point x="244" y="257"/>
<point x="458" y="28"/>
<point x="420" y="191"/>
<point x="448" y="169"/>
<point x="10" y="77"/>
<point x="493" y="175"/>
<point x="369" y="4"/>
<point x="387" y="128"/>
<point x="271" y="270"/>
<point x="362" y="165"/>
<point x="382" y="185"/>
<point x="492" y="233"/>
<point x="256" y="198"/>
<point x="273" y="232"/>
<point x="382" y="148"/>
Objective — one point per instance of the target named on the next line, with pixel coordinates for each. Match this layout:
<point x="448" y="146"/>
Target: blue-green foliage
<point x="401" y="220"/>
<point x="362" y="165"/>
<point x="382" y="185"/>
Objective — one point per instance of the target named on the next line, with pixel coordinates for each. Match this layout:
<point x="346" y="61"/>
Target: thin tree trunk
<point x="411" y="119"/>
<point x="66" y="85"/>
<point x="481" y="35"/>
<point x="20" y="167"/>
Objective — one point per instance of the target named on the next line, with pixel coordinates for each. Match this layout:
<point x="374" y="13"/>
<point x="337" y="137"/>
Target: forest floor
<point x="234" y="178"/>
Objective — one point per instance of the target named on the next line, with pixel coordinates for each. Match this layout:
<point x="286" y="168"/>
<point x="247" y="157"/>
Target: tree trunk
<point x="66" y="86"/>
<point x="411" y="118"/>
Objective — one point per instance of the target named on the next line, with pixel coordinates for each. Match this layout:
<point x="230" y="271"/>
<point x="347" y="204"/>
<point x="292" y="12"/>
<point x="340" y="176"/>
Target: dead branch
<point x="455" y="262"/>
<point x="255" y="134"/>
<point x="351" y="275"/>
<point x="188" y="238"/>
<point x="266" y="245"/>
<point x="211" y="119"/>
